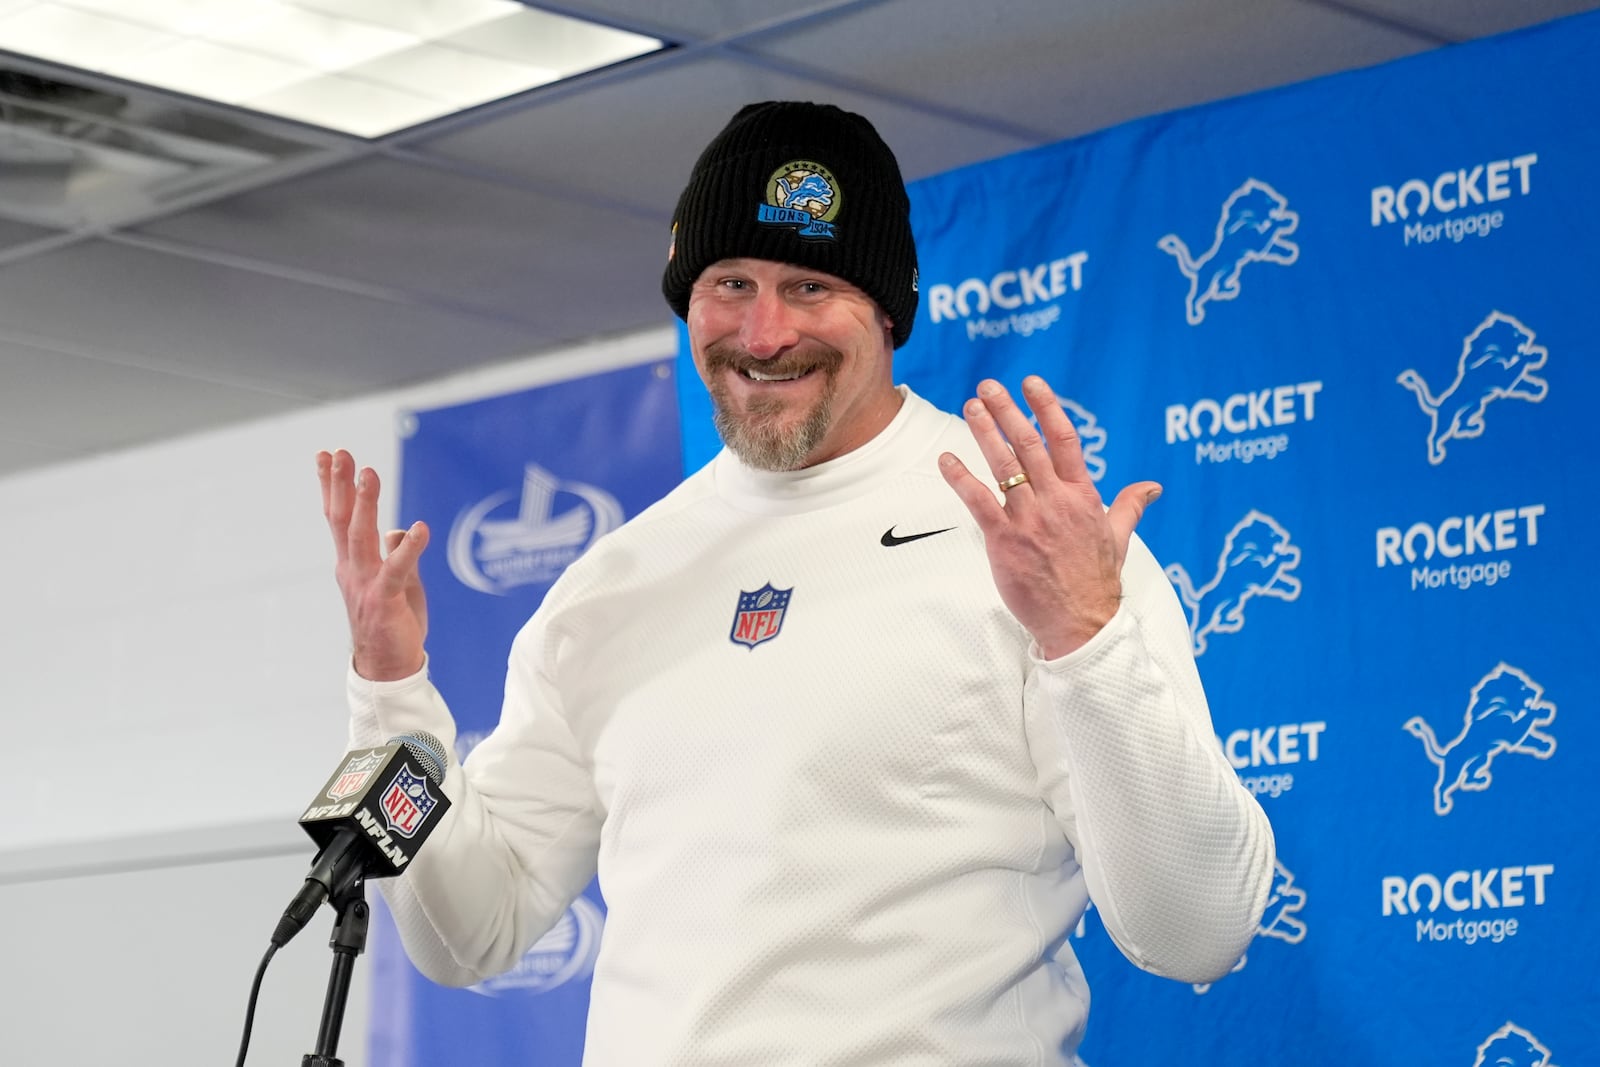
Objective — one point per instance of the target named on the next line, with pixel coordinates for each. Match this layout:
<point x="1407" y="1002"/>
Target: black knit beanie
<point x="808" y="184"/>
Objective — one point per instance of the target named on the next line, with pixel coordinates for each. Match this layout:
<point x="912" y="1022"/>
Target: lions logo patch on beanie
<point x="804" y="195"/>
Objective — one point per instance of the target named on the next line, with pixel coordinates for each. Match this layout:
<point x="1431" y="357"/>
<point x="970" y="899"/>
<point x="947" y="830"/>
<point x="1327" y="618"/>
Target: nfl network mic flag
<point x="514" y="488"/>
<point x="1350" y="327"/>
<point x="385" y="797"/>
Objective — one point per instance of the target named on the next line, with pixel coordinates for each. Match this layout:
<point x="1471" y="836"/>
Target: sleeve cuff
<point x="1115" y="629"/>
<point x="381" y="710"/>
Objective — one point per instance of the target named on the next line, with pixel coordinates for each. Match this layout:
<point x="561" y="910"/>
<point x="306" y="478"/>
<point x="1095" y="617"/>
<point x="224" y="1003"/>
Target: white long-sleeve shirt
<point x="863" y="840"/>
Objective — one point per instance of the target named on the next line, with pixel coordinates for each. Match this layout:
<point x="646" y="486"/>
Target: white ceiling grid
<point x="540" y="221"/>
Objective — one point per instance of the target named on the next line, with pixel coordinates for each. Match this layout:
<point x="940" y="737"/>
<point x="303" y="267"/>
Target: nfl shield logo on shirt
<point x="760" y="615"/>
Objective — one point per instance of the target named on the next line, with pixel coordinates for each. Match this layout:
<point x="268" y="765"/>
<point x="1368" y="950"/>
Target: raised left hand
<point x="1055" y="550"/>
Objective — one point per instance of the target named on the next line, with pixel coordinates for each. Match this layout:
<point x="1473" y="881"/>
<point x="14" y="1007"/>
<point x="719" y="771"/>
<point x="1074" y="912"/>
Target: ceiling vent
<point x="75" y="157"/>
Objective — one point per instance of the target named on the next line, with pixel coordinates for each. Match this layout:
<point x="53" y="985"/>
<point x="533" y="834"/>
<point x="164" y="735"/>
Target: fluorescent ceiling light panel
<point x="369" y="109"/>
<point x="453" y="76"/>
<point x="319" y="41"/>
<point x="214" y="71"/>
<point x="365" y="67"/>
<point x="425" y="19"/>
<point x="80" y="38"/>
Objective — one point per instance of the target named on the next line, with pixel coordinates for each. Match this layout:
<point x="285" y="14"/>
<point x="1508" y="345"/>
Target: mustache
<point x="724" y="355"/>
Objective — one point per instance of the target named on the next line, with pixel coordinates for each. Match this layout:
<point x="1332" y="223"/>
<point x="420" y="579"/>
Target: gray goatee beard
<point x="758" y="436"/>
<point x="760" y="442"/>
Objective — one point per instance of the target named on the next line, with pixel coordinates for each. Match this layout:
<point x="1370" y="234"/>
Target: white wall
<point x="152" y="966"/>
<point x="172" y="651"/>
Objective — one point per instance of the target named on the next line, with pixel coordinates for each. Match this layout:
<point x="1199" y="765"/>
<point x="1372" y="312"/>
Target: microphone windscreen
<point x="426" y="750"/>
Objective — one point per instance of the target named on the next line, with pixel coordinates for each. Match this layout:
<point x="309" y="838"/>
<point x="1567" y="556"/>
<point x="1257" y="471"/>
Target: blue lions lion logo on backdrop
<point x="1497" y="362"/>
<point x="1504" y="714"/>
<point x="1512" y="1046"/>
<point x="1256" y="559"/>
<point x="1254" y="228"/>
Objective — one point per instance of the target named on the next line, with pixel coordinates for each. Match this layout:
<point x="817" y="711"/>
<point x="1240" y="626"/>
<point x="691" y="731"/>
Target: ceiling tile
<point x="1069" y="69"/>
<point x="20" y="233"/>
<point x="634" y="140"/>
<point x="695" y="19"/>
<point x="227" y="326"/>
<point x="465" y="244"/>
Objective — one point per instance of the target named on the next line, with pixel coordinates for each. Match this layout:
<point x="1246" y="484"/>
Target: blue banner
<point x="513" y="489"/>
<point x="1348" y="326"/>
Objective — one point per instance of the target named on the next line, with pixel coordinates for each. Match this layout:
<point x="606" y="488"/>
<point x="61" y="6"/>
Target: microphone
<point x="369" y="821"/>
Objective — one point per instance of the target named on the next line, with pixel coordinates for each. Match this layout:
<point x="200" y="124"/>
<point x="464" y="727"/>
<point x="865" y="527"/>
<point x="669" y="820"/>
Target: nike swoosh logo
<point x="889" y="540"/>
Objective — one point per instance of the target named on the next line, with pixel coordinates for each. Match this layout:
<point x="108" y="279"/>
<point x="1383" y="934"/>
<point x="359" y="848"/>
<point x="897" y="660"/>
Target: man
<point x="857" y="825"/>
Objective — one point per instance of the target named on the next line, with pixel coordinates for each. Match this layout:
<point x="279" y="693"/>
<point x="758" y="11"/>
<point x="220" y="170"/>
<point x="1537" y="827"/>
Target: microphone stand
<point x="349" y="941"/>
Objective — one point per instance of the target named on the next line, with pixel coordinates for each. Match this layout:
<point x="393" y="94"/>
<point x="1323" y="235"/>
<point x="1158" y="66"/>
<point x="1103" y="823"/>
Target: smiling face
<point x="798" y="362"/>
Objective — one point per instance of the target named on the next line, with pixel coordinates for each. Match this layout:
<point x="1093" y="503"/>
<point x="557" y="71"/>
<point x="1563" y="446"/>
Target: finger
<point x="1126" y="511"/>
<point x="400" y="569"/>
<point x="1055" y="425"/>
<point x="416" y="596"/>
<point x="1002" y="462"/>
<point x="362" y="536"/>
<point x="977" y="496"/>
<point x="1025" y="440"/>
<point x="325" y="478"/>
<point x="338" y="500"/>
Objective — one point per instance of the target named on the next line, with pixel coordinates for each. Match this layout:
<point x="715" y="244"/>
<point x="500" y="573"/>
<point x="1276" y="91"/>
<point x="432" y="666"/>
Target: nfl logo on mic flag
<point x="759" y="616"/>
<point x="407" y="802"/>
<point x="354" y="775"/>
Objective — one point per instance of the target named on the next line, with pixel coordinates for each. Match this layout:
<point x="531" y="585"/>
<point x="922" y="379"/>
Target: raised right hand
<point x="382" y="592"/>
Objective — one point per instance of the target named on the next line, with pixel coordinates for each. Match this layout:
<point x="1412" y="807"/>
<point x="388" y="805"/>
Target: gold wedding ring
<point x="1013" y="481"/>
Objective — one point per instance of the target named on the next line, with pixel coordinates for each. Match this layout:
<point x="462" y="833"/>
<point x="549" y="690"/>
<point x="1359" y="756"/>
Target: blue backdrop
<point x="1346" y="325"/>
